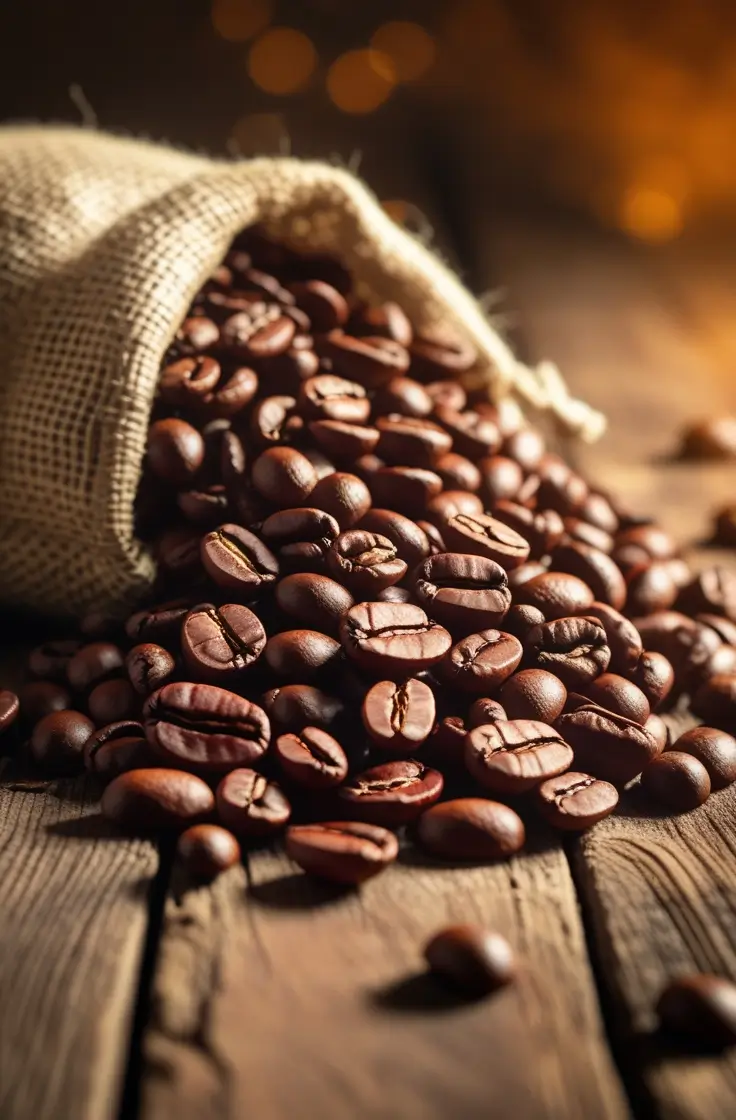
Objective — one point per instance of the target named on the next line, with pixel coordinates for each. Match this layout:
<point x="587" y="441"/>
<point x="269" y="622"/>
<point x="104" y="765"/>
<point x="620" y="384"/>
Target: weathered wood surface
<point x="646" y="337"/>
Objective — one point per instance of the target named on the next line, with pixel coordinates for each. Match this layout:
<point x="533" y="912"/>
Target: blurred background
<point x="618" y="110"/>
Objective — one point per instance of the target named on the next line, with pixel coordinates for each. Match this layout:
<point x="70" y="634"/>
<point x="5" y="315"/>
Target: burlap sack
<point x="103" y="243"/>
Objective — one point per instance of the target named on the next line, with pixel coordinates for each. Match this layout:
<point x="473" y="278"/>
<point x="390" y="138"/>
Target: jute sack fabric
<point x="103" y="243"/>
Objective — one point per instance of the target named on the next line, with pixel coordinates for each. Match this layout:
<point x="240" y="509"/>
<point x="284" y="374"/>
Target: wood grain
<point x="280" y="997"/>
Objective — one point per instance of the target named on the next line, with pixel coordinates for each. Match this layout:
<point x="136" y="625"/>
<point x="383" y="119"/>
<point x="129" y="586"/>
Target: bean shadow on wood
<point x="419" y="993"/>
<point x="298" y="892"/>
<point x="92" y="826"/>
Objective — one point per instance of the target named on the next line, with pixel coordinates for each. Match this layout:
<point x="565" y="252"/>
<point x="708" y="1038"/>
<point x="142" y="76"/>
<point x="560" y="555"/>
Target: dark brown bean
<point x="515" y="756"/>
<point x="483" y="535"/>
<point x="654" y="675"/>
<point x="365" y="562"/>
<point x="622" y="637"/>
<point x="464" y="592"/>
<point x="471" y="958"/>
<point x="344" y="441"/>
<point x="481" y="662"/>
<point x="541" y="529"/>
<point x="149" y="667"/>
<point x="501" y="479"/>
<point x="616" y="694"/>
<point x="41" y="698"/>
<point x="325" y="306"/>
<point x="314" y="600"/>
<point x="94" y="663"/>
<point x="471" y="828"/>
<point x="393" y="793"/>
<point x="327" y="397"/>
<point x="411" y="543"/>
<point x="312" y="758"/>
<point x="185" y="382"/>
<point x="556" y="594"/>
<point x="343" y="851"/>
<point x="175" y="450"/>
<point x="473" y="434"/>
<point x="656" y="726"/>
<point x="701" y="1008"/>
<point x="157" y="800"/>
<point x="678" y="780"/>
<point x="574" y="801"/>
<point x="715" y="749"/>
<point x="112" y="701"/>
<point x="50" y="660"/>
<point x="302" y="705"/>
<point x="372" y="361"/>
<point x="57" y="742"/>
<point x="650" y="588"/>
<point x="392" y="639"/>
<point x="404" y="396"/>
<point x="451" y="503"/>
<point x="457" y="472"/>
<point x="206" y="850"/>
<point x="407" y="489"/>
<point x="249" y="805"/>
<point x="118" y="747"/>
<point x="607" y="745"/>
<point x="533" y="694"/>
<point x="238" y="560"/>
<point x="399" y="717"/>
<point x="575" y="649"/>
<point x="284" y="476"/>
<point x="484" y="710"/>
<point x="344" y="496"/>
<point x="711" y="591"/>
<point x="439" y="354"/>
<point x="218" y="643"/>
<point x="301" y="655"/>
<point x="594" y="568"/>
<point x="201" y="725"/>
<point x="715" y="701"/>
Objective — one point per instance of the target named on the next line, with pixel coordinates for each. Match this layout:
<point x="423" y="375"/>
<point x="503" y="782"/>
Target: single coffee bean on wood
<point x="471" y="828"/>
<point x="533" y="694"/>
<point x="399" y="717"/>
<point x="677" y="780"/>
<point x="201" y="725"/>
<point x="157" y="800"/>
<point x="312" y="758"/>
<point x="715" y="749"/>
<point x="607" y="745"/>
<point x="700" y="1008"/>
<point x="574" y="801"/>
<point x="206" y="850"/>
<point x="250" y="805"/>
<point x="471" y="958"/>
<point x="391" y="794"/>
<point x="515" y="756"/>
<point x="94" y="663"/>
<point x="342" y="851"/>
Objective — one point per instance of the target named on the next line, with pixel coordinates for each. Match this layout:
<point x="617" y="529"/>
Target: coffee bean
<point x="712" y="591"/>
<point x="112" y="701"/>
<point x="302" y="705"/>
<point x="654" y="675"/>
<point x="521" y="620"/>
<point x="157" y="800"/>
<point x="724" y="527"/>
<point x="184" y="383"/>
<point x="471" y="958"/>
<point x="41" y="698"/>
<point x="515" y="756"/>
<point x="714" y="438"/>
<point x="201" y="725"/>
<point x="399" y="717"/>
<point x="578" y="531"/>
<point x="149" y="667"/>
<point x="677" y="780"/>
<point x="249" y="805"/>
<point x="715" y="749"/>
<point x="407" y="489"/>
<point x="221" y="642"/>
<point x="526" y="446"/>
<point x="607" y="745"/>
<point x="650" y="588"/>
<point x="9" y="708"/>
<point x="204" y="507"/>
<point x="345" y="496"/>
<point x="501" y="478"/>
<point x="471" y="828"/>
<point x="260" y="331"/>
<point x="410" y="542"/>
<point x="94" y="663"/>
<point x="473" y="433"/>
<point x="237" y="560"/>
<point x="326" y="397"/>
<point x="314" y="600"/>
<point x="451" y="503"/>
<point x="407" y="441"/>
<point x="485" y="536"/>
<point x="274" y="420"/>
<point x="448" y="393"/>
<point x="283" y="476"/>
<point x="391" y="794"/>
<point x="560" y="488"/>
<point x="656" y="727"/>
<point x="541" y="529"/>
<point x="484" y="710"/>
<point x="724" y="628"/>
<point x="392" y="639"/>
<point x="700" y="1008"/>
<point x="372" y="360"/>
<point x="344" y="441"/>
<point x="387" y="320"/>
<point x="324" y="305"/>
<point x="481" y="662"/>
<point x="624" y="640"/>
<point x="533" y="694"/>
<point x="300" y="537"/>
<point x="595" y="569"/>
<point x="463" y="592"/>
<point x="158" y="624"/>
<point x="116" y="748"/>
<point x="556" y="594"/>
<point x="574" y="801"/>
<point x="618" y="695"/>
<point x="58" y="740"/>
<point x="575" y="649"/>
<point x="445" y="747"/>
<point x="301" y="655"/>
<point x="206" y="850"/>
<point x="405" y="396"/>
<point x="394" y="595"/>
<point x="175" y="450"/>
<point x="658" y="544"/>
<point x="457" y="472"/>
<point x="687" y="644"/>
<point x="365" y="562"/>
<point x="439" y="354"/>
<point x="312" y="758"/>
<point x="715" y="701"/>
<point x="50" y="660"/>
<point x="343" y="851"/>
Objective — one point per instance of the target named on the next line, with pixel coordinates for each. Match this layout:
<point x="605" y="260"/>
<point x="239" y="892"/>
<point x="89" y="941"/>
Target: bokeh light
<point x="238" y="20"/>
<point x="282" y="61"/>
<point x="259" y="134"/>
<point x="411" y="49"/>
<point x="650" y="214"/>
<point x="360" y="81"/>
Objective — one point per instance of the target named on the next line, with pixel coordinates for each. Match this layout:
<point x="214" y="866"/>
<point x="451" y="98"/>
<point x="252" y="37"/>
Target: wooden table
<point x="126" y="991"/>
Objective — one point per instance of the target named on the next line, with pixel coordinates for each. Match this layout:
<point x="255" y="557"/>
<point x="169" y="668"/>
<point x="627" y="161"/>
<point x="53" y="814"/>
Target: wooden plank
<point x="633" y="332"/>
<point x="279" y="997"/>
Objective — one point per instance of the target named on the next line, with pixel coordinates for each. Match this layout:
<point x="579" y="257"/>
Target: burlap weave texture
<point x="103" y="243"/>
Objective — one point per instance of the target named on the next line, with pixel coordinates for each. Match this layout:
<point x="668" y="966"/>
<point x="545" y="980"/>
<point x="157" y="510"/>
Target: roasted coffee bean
<point x="678" y="780"/>
<point x="312" y="758"/>
<point x="457" y="472"/>
<point x="724" y="628"/>
<point x="175" y="450"/>
<point x="533" y="694"/>
<point x="58" y="740"/>
<point x="344" y="496"/>
<point x="301" y="655"/>
<point x="221" y="642"/>
<point x="391" y="794"/>
<point x="465" y="593"/>
<point x="724" y="527"/>
<point x="439" y="354"/>
<point x="149" y="666"/>
<point x="399" y="717"/>
<point x="449" y="394"/>
<point x="161" y="623"/>
<point x="575" y="649"/>
<point x="283" y="476"/>
<point x="327" y="397"/>
<point x="9" y="708"/>
<point x="595" y="569"/>
<point x="617" y="694"/>
<point x="574" y="801"/>
<point x="484" y="710"/>
<point x="372" y="360"/>
<point x="721" y="660"/>
<point x="715" y="749"/>
<point x="201" y="725"/>
<point x="260" y="330"/>
<point x="406" y="441"/>
<point x="50" y="660"/>
<point x="714" y="438"/>
<point x="501" y="479"/>
<point x="300" y="537"/>
<point x="231" y="396"/>
<point x="712" y="591"/>
<point x="700" y="1008"/>
<point x="685" y="643"/>
<point x="157" y="800"/>
<point x="473" y="959"/>
<point x="715" y="701"/>
<point x="196" y="333"/>
<point x="343" y="851"/>
<point x="556" y="594"/>
<point x="607" y="745"/>
<point x="324" y="305"/>
<point x="560" y="488"/>
<point x="365" y="562"/>
<point x="515" y="756"/>
<point x="473" y="433"/>
<point x="445" y="746"/>
<point x="204" y="507"/>
<point x="521" y="620"/>
<point x="657" y="543"/>
<point x="650" y="588"/>
<point x="411" y="543"/>
<point x="481" y="662"/>
<point x="622" y="637"/>
<point x="541" y="529"/>
<point x="177" y="552"/>
<point x="237" y="560"/>
<point x="314" y="600"/>
<point x="250" y="805"/>
<point x="483" y="535"/>
<point x="656" y="726"/>
<point x="41" y="698"/>
<point x="451" y="503"/>
<point x="436" y="543"/>
<point x="404" y="396"/>
<point x="394" y="595"/>
<point x="471" y="828"/>
<point x="407" y="489"/>
<point x="392" y="639"/>
<point x="206" y="850"/>
<point x="112" y="701"/>
<point x="580" y="532"/>
<point x="654" y="675"/>
<point x="116" y="748"/>
<point x="526" y="446"/>
<point x="303" y="705"/>
<point x="597" y="510"/>
<point x="387" y="320"/>
<point x="183" y="384"/>
<point x="94" y="663"/>
<point x="274" y="420"/>
<point x="345" y="441"/>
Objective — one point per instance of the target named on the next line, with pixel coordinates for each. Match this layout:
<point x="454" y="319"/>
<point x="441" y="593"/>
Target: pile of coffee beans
<point x="381" y="602"/>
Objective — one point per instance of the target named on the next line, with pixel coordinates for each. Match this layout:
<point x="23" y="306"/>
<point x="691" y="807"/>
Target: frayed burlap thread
<point x="103" y="243"/>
